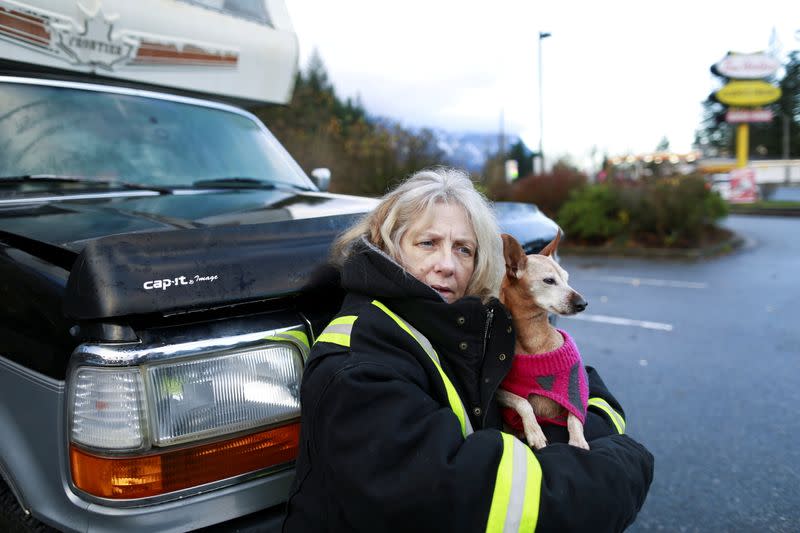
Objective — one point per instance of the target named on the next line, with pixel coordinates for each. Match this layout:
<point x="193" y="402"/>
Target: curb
<point x="721" y="248"/>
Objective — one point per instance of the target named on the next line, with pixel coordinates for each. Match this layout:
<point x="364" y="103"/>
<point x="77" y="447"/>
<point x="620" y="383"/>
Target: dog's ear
<point x="552" y="246"/>
<point x="514" y="255"/>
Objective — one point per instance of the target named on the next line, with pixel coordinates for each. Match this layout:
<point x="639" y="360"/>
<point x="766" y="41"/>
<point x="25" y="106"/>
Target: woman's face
<point x="439" y="250"/>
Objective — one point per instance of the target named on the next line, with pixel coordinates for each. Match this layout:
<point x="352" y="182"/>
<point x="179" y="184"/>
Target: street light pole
<point x="542" y="35"/>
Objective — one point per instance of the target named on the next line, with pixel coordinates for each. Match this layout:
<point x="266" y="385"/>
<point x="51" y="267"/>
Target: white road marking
<point x="619" y="321"/>
<point x="649" y="281"/>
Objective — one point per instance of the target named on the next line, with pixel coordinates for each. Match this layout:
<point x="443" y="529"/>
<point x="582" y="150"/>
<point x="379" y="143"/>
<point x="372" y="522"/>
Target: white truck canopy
<point x="242" y="49"/>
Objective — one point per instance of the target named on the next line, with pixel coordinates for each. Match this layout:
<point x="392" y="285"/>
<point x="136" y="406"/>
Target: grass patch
<point x="767" y="204"/>
<point x="767" y="207"/>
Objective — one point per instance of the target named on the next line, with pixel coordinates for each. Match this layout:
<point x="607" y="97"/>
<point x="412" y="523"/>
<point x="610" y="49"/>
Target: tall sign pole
<point x="742" y="144"/>
<point x="542" y="35"/>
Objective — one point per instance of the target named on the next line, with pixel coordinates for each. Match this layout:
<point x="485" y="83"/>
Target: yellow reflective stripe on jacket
<point x="452" y="395"/>
<point x="615" y="417"/>
<point x="515" y="502"/>
<point x="338" y="331"/>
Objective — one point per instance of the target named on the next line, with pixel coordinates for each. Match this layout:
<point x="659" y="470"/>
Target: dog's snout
<point x="579" y="303"/>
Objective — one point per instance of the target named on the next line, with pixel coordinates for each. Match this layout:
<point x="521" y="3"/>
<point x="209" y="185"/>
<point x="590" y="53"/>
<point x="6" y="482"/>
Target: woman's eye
<point x="549" y="281"/>
<point x="465" y="250"/>
<point x="425" y="244"/>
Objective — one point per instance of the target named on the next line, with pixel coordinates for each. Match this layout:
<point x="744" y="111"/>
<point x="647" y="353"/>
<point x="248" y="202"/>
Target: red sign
<point x="743" y="186"/>
<point x="735" y="115"/>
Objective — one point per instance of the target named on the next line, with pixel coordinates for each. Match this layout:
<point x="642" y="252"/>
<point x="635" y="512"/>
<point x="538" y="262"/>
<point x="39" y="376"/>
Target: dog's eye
<point x="549" y="281"/>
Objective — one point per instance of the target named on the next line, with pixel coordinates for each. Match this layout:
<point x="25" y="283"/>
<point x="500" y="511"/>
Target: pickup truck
<point x="162" y="278"/>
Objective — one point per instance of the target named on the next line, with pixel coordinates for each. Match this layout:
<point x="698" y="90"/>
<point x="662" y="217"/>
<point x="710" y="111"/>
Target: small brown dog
<point x="547" y="380"/>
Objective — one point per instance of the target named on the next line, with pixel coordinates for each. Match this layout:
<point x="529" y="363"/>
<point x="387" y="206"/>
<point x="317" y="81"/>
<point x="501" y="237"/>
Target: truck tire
<point x="13" y="518"/>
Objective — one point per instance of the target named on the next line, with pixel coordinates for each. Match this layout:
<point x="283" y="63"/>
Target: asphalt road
<point x="703" y="355"/>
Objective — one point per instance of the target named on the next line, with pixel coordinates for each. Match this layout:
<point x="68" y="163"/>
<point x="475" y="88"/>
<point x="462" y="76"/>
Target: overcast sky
<point x="617" y="75"/>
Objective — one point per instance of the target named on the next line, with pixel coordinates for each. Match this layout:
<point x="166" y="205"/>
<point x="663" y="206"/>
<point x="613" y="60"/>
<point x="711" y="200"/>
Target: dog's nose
<point x="579" y="304"/>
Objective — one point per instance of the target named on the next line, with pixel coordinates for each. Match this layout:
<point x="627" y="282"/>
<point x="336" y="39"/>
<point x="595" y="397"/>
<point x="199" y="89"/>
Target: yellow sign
<point x="748" y="93"/>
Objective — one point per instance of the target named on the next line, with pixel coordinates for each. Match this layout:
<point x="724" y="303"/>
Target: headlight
<point x="132" y="408"/>
<point x="217" y="395"/>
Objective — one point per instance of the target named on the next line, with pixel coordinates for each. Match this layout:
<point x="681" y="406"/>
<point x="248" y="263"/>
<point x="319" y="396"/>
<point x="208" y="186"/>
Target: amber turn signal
<point x="154" y="474"/>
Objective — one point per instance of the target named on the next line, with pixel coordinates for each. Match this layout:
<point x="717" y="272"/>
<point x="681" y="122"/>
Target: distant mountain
<point x="469" y="150"/>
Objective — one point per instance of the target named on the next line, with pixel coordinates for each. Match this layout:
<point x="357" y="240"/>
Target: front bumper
<point x="266" y="521"/>
<point x="235" y="508"/>
<point x="32" y="440"/>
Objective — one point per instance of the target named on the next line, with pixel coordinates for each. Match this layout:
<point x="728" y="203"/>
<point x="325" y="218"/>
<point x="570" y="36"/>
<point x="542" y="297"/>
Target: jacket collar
<point x="370" y="271"/>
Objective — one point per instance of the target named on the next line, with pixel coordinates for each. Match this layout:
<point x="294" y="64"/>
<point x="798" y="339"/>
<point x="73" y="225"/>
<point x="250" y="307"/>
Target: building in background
<point x="659" y="163"/>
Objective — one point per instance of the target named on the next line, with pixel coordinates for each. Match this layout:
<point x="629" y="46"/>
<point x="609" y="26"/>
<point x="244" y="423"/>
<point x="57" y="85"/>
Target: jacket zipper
<point x="489" y="319"/>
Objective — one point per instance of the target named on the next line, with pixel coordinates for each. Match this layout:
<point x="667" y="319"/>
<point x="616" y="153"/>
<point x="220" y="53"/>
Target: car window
<point x="255" y="10"/>
<point x="150" y="141"/>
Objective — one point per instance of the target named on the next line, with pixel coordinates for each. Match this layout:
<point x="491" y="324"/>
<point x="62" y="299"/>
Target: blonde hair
<point x="385" y="225"/>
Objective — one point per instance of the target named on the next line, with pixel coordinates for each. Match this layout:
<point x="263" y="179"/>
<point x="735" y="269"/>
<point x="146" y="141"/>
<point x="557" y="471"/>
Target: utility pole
<point x="542" y="35"/>
<point x="785" y="117"/>
<point x="502" y="140"/>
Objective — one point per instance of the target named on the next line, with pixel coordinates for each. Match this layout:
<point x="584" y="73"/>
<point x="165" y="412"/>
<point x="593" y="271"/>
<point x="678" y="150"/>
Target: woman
<point x="400" y="430"/>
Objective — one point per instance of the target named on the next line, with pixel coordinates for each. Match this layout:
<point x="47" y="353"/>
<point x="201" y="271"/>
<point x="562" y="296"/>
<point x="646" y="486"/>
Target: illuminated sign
<point x="748" y="93"/>
<point x="736" y="115"/>
<point x="747" y="66"/>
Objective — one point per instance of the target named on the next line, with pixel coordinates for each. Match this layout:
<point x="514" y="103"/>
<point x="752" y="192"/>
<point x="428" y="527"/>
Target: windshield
<point x="140" y="140"/>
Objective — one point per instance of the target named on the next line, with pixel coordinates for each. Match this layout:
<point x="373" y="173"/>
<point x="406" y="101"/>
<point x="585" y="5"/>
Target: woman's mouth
<point x="444" y="291"/>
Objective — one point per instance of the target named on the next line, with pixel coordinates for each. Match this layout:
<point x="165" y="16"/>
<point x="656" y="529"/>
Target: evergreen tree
<point x="365" y="155"/>
<point x="524" y="158"/>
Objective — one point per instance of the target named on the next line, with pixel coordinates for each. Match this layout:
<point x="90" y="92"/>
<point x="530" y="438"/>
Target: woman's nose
<point x="445" y="263"/>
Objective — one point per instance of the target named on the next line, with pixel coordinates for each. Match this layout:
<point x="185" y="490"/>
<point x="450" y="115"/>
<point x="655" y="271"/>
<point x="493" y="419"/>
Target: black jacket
<point x="381" y="449"/>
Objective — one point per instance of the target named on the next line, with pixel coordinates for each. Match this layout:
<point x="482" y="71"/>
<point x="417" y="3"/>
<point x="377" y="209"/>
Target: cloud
<point x="618" y="76"/>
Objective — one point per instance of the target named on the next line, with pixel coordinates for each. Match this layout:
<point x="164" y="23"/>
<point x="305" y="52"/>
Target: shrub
<point x="673" y="212"/>
<point x="548" y="191"/>
<point x="592" y="214"/>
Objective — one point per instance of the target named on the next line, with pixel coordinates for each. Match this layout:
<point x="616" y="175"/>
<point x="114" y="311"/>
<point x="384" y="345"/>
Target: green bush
<point x="592" y="214"/>
<point x="672" y="212"/>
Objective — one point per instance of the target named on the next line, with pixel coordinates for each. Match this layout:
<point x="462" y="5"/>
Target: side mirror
<point x="321" y="178"/>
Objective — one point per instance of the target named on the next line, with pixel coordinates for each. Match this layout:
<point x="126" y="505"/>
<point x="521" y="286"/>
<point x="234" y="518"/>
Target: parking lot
<point x="703" y="356"/>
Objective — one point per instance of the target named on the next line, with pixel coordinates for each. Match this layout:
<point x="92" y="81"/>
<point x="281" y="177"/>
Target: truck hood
<point x="73" y="224"/>
<point x="191" y="250"/>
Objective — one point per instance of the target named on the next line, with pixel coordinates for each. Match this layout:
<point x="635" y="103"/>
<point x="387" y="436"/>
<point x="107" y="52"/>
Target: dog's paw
<point x="535" y="437"/>
<point x="579" y="442"/>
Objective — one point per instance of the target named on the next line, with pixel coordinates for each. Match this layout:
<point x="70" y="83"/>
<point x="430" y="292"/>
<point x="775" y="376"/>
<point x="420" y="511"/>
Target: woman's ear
<point x="515" y="257"/>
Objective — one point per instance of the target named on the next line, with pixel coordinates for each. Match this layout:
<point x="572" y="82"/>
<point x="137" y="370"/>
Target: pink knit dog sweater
<point x="558" y="375"/>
